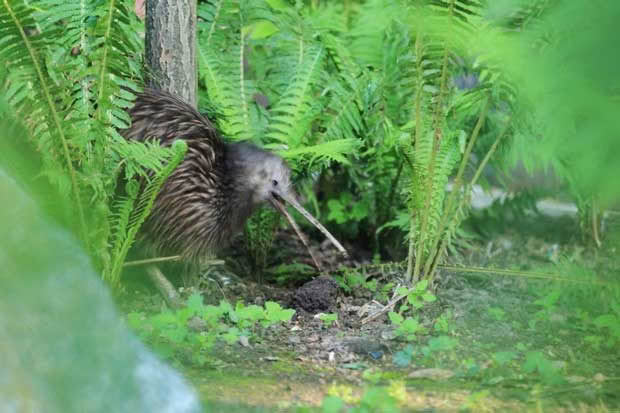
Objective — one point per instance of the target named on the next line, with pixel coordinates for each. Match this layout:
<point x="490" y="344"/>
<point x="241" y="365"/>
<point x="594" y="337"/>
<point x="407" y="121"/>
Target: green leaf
<point x="414" y="301"/>
<point x="328" y="319"/>
<point x="403" y="291"/>
<point x="262" y="29"/>
<point x="395" y="318"/>
<point x="409" y="326"/>
<point x="421" y="285"/>
<point x="274" y="313"/>
<point x="194" y="303"/>
<point x="232" y="335"/>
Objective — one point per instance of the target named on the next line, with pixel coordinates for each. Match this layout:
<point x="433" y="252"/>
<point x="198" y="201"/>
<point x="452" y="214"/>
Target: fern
<point x="429" y="205"/>
<point x="435" y="150"/>
<point x="293" y="112"/>
<point x="133" y="210"/>
<point x="342" y="117"/>
<point x="223" y="36"/>
<point x="259" y="237"/>
<point x="71" y="73"/>
<point x="26" y="69"/>
<point x="333" y="150"/>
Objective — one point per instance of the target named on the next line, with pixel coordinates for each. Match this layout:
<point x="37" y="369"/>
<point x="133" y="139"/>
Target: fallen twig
<point x="164" y="259"/>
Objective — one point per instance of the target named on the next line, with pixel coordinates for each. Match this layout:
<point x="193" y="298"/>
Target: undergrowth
<point x="380" y="104"/>
<point x="187" y="334"/>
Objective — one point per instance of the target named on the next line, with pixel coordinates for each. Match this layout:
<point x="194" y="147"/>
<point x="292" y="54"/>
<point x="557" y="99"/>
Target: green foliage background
<point x="360" y="97"/>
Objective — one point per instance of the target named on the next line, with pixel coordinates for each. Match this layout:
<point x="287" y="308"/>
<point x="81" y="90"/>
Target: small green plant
<point x="374" y="375"/>
<point x="406" y="327"/>
<point x="439" y="344"/>
<point x="416" y="296"/>
<point x="352" y="279"/>
<point x="384" y="292"/>
<point x="259" y="236"/>
<point x="442" y="323"/>
<point x="187" y="333"/>
<point x="548" y="304"/>
<point x="403" y="358"/>
<point x="170" y="336"/>
<point x="245" y="317"/>
<point x="274" y="314"/>
<point x="231" y="336"/>
<point x="328" y="319"/>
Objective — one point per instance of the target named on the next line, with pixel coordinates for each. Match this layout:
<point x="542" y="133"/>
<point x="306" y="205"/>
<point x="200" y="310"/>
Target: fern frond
<point x="223" y="61"/>
<point x="115" y="43"/>
<point x="342" y="118"/>
<point x="210" y="14"/>
<point x="334" y="150"/>
<point x="19" y="51"/>
<point x="431" y="203"/>
<point x="369" y="26"/>
<point x="523" y="15"/>
<point x="133" y="210"/>
<point x="139" y="158"/>
<point x="290" y="113"/>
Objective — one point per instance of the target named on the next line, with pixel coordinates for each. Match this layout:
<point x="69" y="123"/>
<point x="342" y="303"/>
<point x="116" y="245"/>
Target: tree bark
<point x="171" y="47"/>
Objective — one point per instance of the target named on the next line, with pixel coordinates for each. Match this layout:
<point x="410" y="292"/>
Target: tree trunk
<point x="171" y="47"/>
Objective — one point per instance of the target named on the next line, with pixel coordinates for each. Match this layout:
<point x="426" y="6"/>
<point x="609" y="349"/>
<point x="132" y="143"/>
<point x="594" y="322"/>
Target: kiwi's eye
<point x="274" y="182"/>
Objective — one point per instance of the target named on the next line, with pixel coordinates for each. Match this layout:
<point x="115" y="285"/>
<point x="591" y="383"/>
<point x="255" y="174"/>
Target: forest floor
<point x="523" y="321"/>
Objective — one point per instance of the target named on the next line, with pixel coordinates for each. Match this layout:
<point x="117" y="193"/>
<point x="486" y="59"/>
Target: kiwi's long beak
<point x="290" y="198"/>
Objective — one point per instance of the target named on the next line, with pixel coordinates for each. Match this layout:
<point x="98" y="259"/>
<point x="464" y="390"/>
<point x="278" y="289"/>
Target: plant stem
<point x="487" y="157"/>
<point x="416" y="144"/>
<point x="447" y="215"/>
<point x="484" y="162"/>
<point x="437" y="137"/>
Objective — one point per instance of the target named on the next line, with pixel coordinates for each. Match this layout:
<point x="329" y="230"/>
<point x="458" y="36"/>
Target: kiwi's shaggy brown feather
<point x="205" y="201"/>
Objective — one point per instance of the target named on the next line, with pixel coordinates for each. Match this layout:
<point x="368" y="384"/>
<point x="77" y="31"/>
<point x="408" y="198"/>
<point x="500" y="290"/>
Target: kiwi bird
<point x="217" y="186"/>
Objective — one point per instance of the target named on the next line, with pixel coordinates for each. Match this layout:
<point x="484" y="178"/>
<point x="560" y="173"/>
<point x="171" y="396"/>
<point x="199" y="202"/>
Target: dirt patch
<point x="318" y="295"/>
